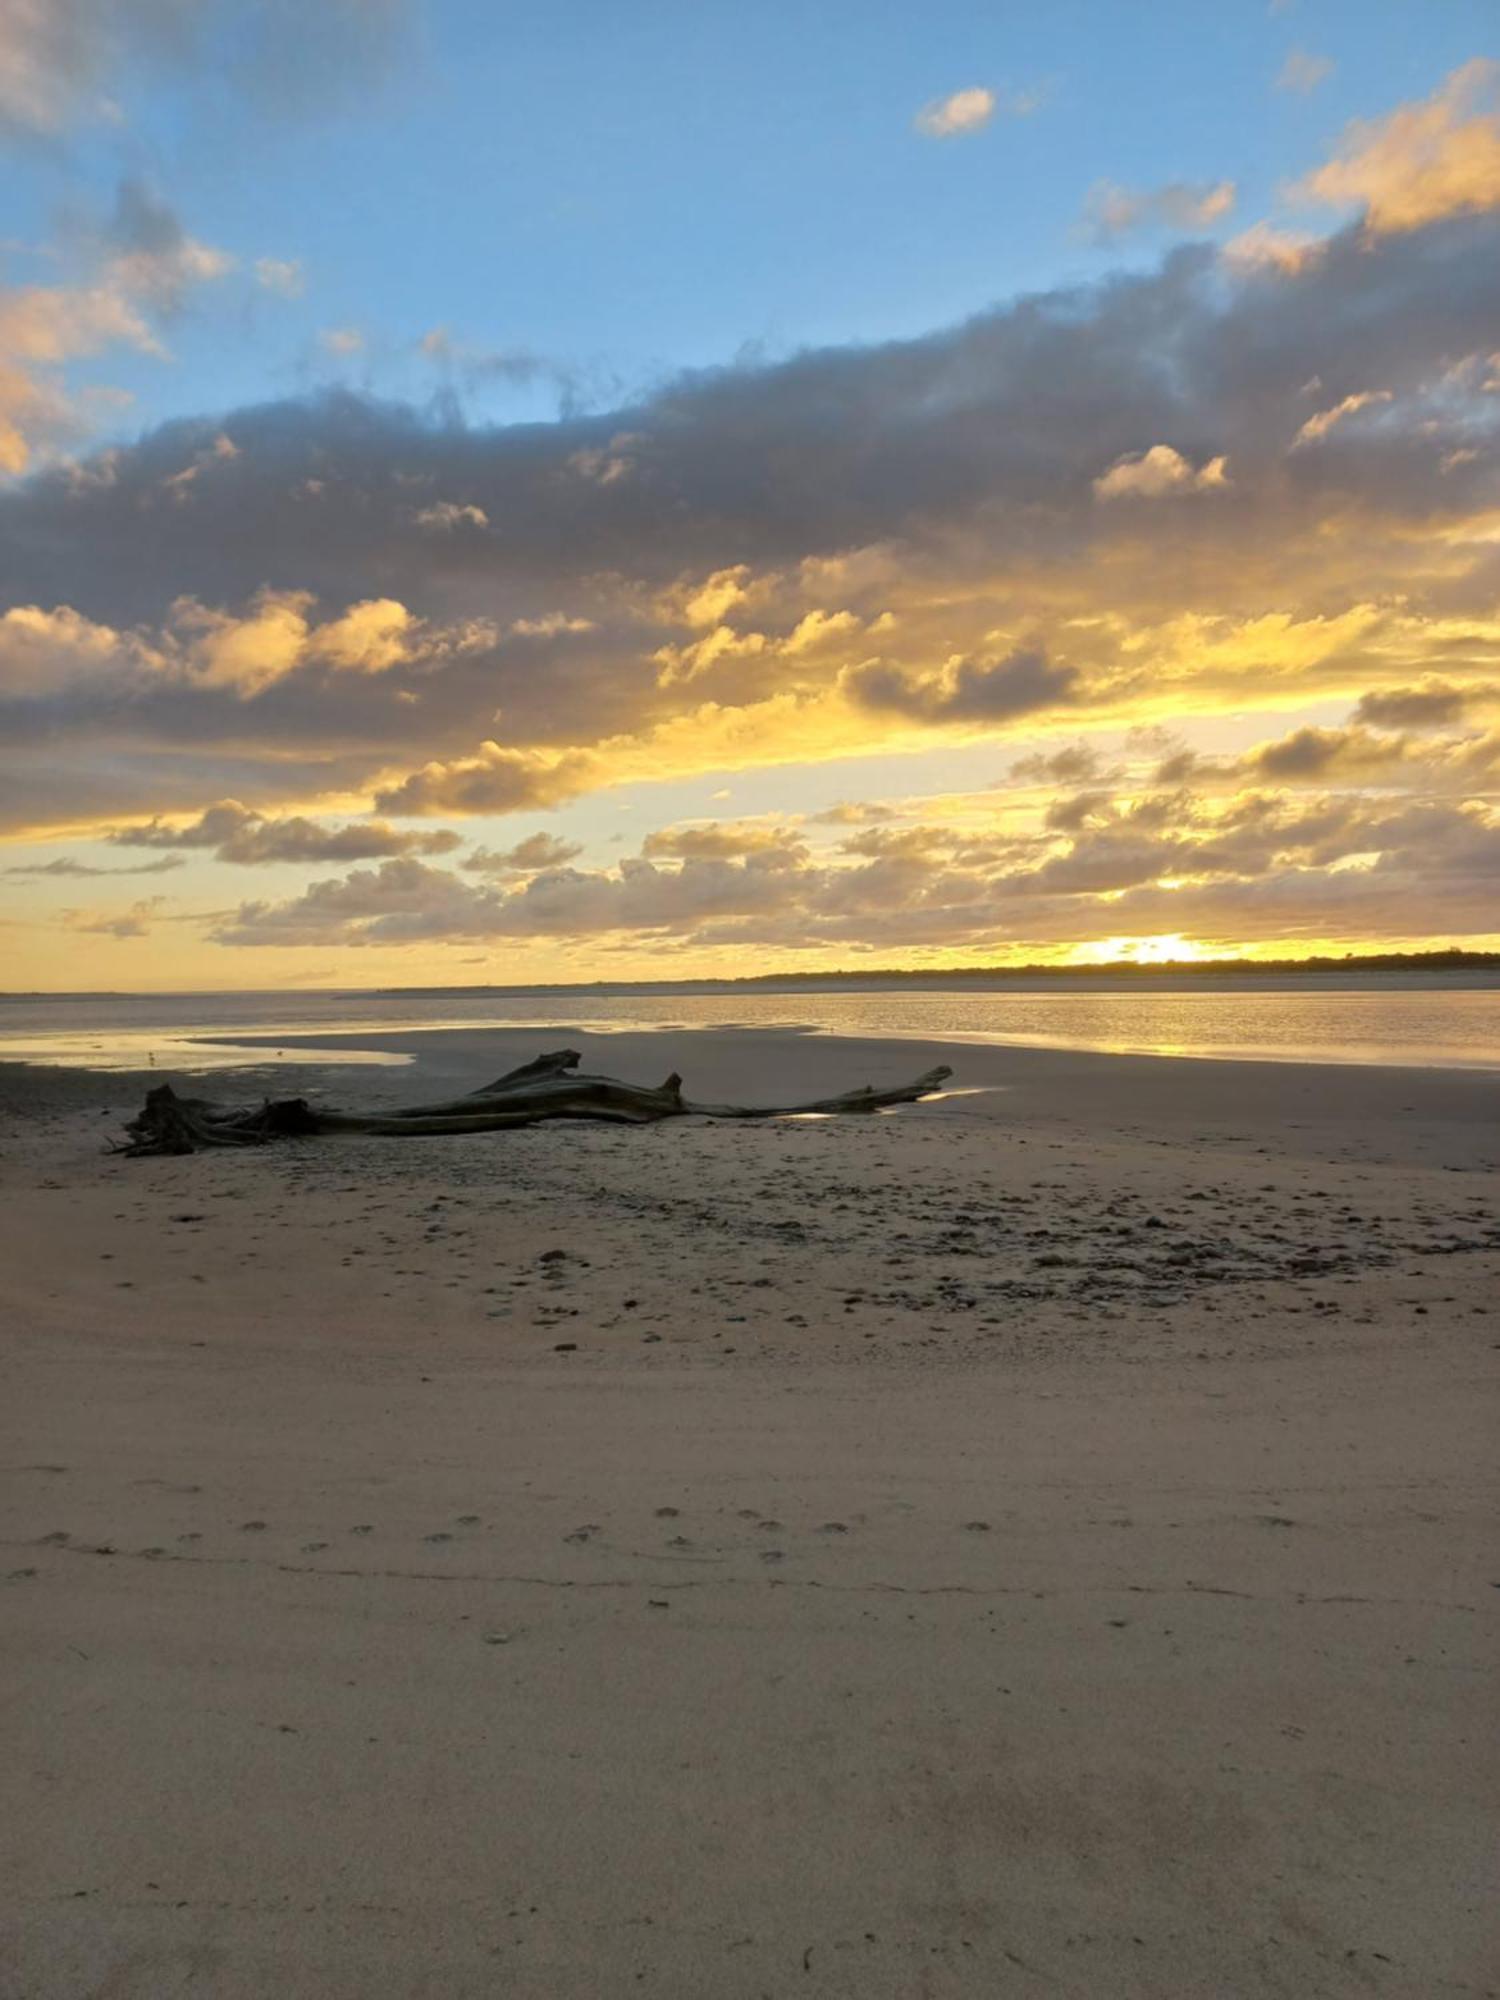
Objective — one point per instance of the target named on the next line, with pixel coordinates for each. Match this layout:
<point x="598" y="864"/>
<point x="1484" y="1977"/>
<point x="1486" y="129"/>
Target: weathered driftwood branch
<point x="549" y="1087"/>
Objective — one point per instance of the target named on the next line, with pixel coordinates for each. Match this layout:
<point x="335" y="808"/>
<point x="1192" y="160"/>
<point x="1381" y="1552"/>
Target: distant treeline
<point x="1451" y="960"/>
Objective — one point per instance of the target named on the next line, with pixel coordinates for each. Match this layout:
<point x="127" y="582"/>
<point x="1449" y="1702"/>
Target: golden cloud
<point x="1422" y="161"/>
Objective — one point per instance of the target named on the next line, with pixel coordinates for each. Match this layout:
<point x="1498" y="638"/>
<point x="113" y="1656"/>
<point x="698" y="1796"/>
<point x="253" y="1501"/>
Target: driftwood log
<point x="548" y="1087"/>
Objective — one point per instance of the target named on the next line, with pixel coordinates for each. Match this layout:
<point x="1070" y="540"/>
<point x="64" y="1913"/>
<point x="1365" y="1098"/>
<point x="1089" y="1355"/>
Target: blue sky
<point x="630" y="189"/>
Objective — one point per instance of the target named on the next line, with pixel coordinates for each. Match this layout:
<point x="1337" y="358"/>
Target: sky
<point x="656" y="488"/>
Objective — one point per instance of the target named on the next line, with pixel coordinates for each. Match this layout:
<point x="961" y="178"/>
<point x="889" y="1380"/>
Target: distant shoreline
<point x="1451" y="967"/>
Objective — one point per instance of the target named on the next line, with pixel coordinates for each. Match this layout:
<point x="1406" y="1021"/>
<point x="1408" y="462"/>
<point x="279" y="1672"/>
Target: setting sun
<point x="1168" y="948"/>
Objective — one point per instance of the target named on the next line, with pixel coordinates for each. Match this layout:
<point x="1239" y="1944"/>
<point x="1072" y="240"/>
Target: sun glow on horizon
<point x="1167" y="948"/>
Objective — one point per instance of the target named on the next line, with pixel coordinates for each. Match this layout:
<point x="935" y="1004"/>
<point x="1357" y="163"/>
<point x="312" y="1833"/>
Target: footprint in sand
<point x="667" y="1513"/>
<point x="363" y="1529"/>
<point x="442" y="1535"/>
<point x="313" y="1548"/>
<point x="468" y="1520"/>
<point x="583" y="1534"/>
<point x="252" y="1527"/>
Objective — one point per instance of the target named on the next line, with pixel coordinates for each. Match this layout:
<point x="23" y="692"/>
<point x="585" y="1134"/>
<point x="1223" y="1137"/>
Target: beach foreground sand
<point x="1038" y="1542"/>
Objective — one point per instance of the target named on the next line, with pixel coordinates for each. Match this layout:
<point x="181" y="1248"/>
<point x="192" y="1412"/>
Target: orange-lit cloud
<point x="1423" y="161"/>
<point x="1112" y="211"/>
<point x="951" y="117"/>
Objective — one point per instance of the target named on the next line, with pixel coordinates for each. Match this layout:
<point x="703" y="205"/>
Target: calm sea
<point x="1449" y="1022"/>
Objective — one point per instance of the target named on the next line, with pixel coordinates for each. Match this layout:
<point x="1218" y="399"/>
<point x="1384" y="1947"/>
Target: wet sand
<point x="1039" y="1541"/>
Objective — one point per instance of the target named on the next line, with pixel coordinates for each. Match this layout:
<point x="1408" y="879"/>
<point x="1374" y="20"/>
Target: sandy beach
<point x="1037" y="1542"/>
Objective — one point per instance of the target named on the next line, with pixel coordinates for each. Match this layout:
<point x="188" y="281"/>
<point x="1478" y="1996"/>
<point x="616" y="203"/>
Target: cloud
<point x="341" y="341"/>
<point x="237" y="833"/>
<point x="1268" y="247"/>
<point x="65" y="866"/>
<point x="1112" y="211"/>
<point x="723" y="840"/>
<point x="132" y="923"/>
<point x="1317" y="427"/>
<point x="282" y="275"/>
<point x="1075" y="764"/>
<point x="1260" y="863"/>
<point x="952" y="117"/>
<point x="445" y="515"/>
<point x="56" y="57"/>
<point x="549" y="626"/>
<point x="241" y="654"/>
<point x="498" y="780"/>
<point x="857" y="812"/>
<point x="1316" y="753"/>
<point x="465" y="366"/>
<point x="1159" y="471"/>
<point x="1429" y="706"/>
<point x="797" y="568"/>
<point x="537" y="852"/>
<point x="964" y="690"/>
<point x="138" y="270"/>
<point x="63" y="61"/>
<point x="150" y="256"/>
<point x="1423" y="161"/>
<point x="1303" y="73"/>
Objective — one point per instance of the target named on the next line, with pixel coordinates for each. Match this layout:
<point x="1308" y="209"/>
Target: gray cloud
<point x="496" y="781"/>
<point x="722" y="841"/>
<point x="1427" y="707"/>
<point x="135" y="922"/>
<point x="1075" y="764"/>
<point x="65" y="866"/>
<point x="238" y="834"/>
<point x="538" y="851"/>
<point x="958" y="469"/>
<point x="1315" y="753"/>
<point x="965" y="690"/>
<point x="63" y="62"/>
<point x="1263" y="859"/>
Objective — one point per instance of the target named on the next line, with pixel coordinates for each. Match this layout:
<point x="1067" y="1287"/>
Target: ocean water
<point x="1430" y="1021"/>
